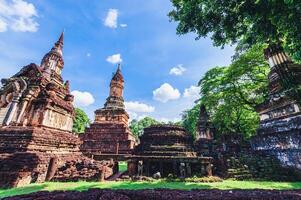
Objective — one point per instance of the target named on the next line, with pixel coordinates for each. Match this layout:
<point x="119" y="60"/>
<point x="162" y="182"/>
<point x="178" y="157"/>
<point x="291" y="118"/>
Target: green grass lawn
<point x="81" y="186"/>
<point x="122" y="166"/>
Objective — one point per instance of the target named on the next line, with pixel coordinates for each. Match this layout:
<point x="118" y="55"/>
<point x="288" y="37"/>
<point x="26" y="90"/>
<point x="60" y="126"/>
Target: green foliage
<point x="231" y="93"/>
<point x="243" y="21"/>
<point x="137" y="126"/>
<point x="80" y="122"/>
<point x="194" y="179"/>
<point x="190" y="119"/>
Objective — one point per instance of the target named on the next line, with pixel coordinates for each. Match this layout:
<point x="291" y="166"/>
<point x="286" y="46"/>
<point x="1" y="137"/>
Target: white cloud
<point x="136" y="116"/>
<point x="165" y="93"/>
<point x="166" y="120"/>
<point x="111" y="18"/>
<point x="25" y="25"/>
<point x="18" y="15"/>
<point x="82" y="99"/>
<point x="177" y="71"/>
<point x="193" y="92"/>
<point x="116" y="58"/>
<point x="88" y="54"/>
<point x="3" y="25"/>
<point x="123" y="25"/>
<point x="137" y="107"/>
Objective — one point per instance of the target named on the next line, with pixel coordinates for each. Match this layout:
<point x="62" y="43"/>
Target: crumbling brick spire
<point x="53" y="63"/>
<point x="115" y="99"/>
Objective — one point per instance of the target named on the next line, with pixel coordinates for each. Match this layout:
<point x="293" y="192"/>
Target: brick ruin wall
<point x="35" y="155"/>
<point x="285" y="146"/>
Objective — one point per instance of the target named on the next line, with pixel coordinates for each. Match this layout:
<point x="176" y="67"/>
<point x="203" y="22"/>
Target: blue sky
<point x="161" y="69"/>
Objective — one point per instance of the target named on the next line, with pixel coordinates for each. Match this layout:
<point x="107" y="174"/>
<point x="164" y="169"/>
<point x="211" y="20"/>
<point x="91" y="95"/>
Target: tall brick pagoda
<point x="110" y="135"/>
<point x="279" y="133"/>
<point x="36" y="112"/>
<point x="204" y="133"/>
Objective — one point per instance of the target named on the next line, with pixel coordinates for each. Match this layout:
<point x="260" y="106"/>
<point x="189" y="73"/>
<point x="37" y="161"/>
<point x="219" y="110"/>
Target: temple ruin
<point x="280" y="115"/>
<point x="36" y="122"/>
<point x="168" y="149"/>
<point x="109" y="136"/>
<point x="204" y="133"/>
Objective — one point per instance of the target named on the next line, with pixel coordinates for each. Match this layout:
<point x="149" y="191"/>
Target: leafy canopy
<point x="80" y="122"/>
<point x="231" y="93"/>
<point x="245" y="22"/>
<point x="137" y="126"/>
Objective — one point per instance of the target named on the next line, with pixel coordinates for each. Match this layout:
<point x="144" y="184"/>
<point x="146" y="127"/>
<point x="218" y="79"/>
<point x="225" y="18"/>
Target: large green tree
<point x="245" y="22"/>
<point x="231" y="94"/>
<point x="137" y="126"/>
<point x="80" y="122"/>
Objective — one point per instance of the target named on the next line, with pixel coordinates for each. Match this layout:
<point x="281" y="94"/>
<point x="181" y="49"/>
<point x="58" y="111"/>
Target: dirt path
<point x="160" y="194"/>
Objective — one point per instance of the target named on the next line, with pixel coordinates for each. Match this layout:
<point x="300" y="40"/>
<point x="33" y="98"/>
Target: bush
<point x="194" y="179"/>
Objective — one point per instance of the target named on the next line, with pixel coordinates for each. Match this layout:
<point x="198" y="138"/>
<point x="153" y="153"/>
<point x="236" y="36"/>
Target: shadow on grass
<point x="21" y="190"/>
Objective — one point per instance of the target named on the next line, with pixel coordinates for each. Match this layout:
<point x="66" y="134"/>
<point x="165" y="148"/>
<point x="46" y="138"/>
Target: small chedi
<point x="109" y="135"/>
<point x="167" y="149"/>
<point x="36" y="118"/>
<point x="279" y="133"/>
<point x="204" y="133"/>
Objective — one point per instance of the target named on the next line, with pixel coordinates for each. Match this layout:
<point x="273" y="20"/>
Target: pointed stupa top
<point x="56" y="53"/>
<point x="61" y="39"/>
<point x="58" y="46"/>
<point x="118" y="76"/>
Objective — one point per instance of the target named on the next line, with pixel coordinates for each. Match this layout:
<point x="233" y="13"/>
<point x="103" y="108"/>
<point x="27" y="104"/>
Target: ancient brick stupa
<point x="204" y="133"/>
<point x="164" y="148"/>
<point x="109" y="135"/>
<point x="279" y="133"/>
<point x="36" y="123"/>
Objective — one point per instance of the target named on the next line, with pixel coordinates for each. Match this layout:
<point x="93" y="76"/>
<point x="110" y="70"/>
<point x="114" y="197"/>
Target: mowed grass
<point x="82" y="186"/>
<point x="123" y="166"/>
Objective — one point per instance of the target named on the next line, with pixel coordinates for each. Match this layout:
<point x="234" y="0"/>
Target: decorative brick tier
<point x="286" y="146"/>
<point x="108" y="138"/>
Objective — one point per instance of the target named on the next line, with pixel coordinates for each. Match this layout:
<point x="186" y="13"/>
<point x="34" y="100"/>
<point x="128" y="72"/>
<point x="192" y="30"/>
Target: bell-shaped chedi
<point x="168" y="149"/>
<point x="36" y="118"/>
<point x="279" y="133"/>
<point x="109" y="136"/>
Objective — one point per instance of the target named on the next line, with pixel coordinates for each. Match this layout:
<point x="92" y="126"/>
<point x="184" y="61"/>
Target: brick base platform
<point x="34" y="155"/>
